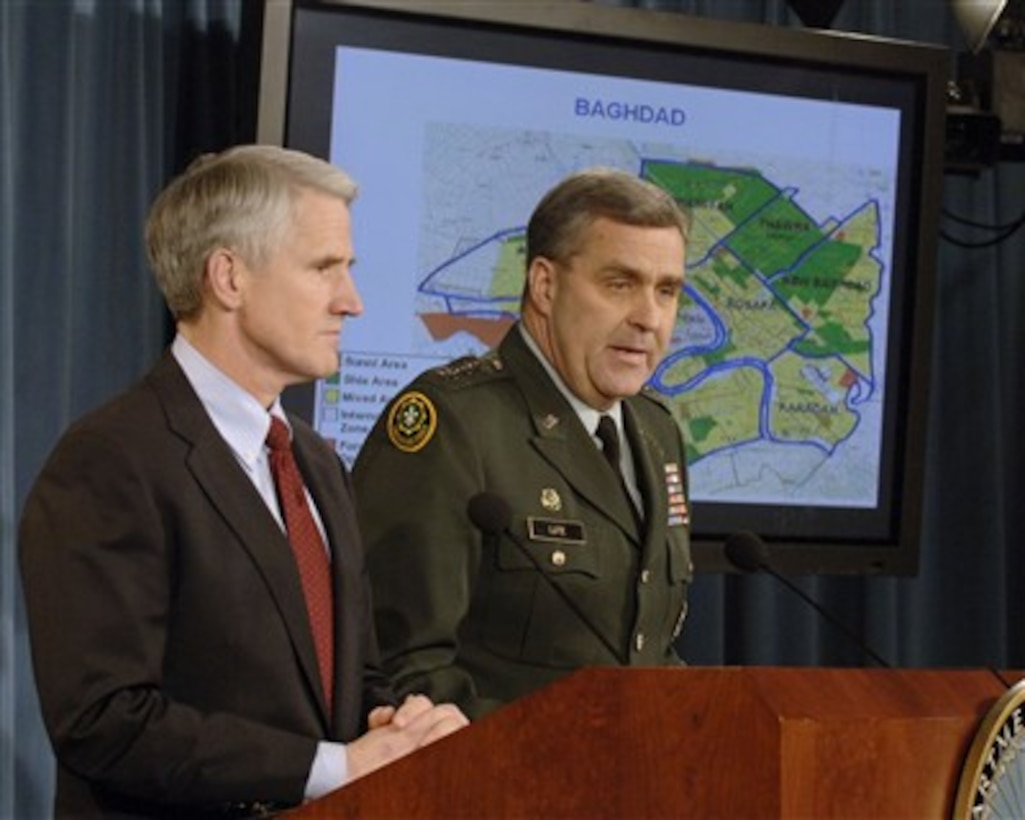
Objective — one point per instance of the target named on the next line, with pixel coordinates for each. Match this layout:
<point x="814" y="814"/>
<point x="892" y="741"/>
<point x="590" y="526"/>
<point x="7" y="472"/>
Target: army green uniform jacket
<point x="466" y="616"/>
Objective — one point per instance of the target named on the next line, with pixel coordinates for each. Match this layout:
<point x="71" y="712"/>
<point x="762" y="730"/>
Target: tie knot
<point x="277" y="437"/>
<point x="608" y="434"/>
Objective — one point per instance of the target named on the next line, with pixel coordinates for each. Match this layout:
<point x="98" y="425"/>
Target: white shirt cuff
<point x="330" y="770"/>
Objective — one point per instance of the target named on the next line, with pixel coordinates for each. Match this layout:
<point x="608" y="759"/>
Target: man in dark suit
<point x="183" y="668"/>
<point x="564" y="566"/>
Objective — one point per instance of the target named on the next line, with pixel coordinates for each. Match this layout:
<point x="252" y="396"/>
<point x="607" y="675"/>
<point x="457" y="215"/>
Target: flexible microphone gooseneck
<point x="492" y="515"/>
<point x="748" y="553"/>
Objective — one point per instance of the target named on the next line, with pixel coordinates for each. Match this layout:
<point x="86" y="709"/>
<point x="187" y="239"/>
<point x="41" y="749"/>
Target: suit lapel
<point x="236" y="500"/>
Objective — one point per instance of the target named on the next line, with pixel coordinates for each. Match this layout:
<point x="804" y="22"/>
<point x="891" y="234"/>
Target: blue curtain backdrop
<point x="101" y="101"/>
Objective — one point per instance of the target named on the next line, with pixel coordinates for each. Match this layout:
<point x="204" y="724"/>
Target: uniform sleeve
<point x="412" y="488"/>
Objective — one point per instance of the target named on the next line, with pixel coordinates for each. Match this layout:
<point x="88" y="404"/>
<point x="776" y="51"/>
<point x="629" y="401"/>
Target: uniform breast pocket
<point x="681" y="574"/>
<point x="681" y="567"/>
<point x="550" y="546"/>
<point x="529" y="618"/>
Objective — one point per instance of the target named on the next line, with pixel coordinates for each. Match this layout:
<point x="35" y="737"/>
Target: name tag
<point x="555" y="530"/>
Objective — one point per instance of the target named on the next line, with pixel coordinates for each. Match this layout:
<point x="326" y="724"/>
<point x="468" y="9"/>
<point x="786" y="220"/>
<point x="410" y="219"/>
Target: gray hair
<point x="242" y="199"/>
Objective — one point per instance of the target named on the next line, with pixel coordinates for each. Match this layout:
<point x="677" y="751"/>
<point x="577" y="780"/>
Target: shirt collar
<point x="588" y="415"/>
<point x="240" y="419"/>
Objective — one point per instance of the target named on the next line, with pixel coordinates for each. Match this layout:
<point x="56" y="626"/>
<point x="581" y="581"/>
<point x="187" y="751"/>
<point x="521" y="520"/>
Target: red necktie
<point x="307" y="546"/>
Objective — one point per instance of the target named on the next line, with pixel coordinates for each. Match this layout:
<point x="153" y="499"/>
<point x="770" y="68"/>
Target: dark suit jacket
<point x="467" y="618"/>
<point x="171" y="647"/>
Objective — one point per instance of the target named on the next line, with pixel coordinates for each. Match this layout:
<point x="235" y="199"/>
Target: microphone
<point x="748" y="553"/>
<point x="492" y="515"/>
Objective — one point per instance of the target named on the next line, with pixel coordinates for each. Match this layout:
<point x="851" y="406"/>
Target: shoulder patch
<point x="412" y="421"/>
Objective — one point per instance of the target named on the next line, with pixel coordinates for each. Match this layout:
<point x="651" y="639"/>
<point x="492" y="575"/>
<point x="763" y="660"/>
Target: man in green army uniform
<point x="504" y="549"/>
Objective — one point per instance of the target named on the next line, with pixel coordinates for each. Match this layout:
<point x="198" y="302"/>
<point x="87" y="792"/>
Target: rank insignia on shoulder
<point x="459" y="368"/>
<point x="412" y="421"/>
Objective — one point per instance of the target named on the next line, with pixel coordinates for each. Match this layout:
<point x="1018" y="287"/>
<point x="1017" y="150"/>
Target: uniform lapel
<point x="235" y="498"/>
<point x="649" y="463"/>
<point x="561" y="440"/>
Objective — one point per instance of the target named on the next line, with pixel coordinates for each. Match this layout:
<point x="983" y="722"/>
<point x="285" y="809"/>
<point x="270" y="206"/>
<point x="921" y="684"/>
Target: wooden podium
<point x="724" y="742"/>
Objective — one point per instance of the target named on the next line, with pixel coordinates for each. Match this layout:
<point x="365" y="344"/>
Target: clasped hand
<point x="395" y="732"/>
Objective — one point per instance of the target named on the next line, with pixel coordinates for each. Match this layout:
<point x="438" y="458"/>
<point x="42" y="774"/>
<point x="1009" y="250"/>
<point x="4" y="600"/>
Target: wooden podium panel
<point x="723" y="742"/>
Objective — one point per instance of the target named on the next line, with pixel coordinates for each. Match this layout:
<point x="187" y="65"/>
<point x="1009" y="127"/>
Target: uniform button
<point x="558" y="558"/>
<point x="645" y="576"/>
<point x="639" y="641"/>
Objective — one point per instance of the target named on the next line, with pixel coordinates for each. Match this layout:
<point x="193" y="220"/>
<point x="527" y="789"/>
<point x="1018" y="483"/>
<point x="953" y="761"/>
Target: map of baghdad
<point x="771" y="371"/>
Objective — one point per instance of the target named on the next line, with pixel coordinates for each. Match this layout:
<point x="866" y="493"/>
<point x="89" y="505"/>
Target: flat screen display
<point x="798" y="365"/>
